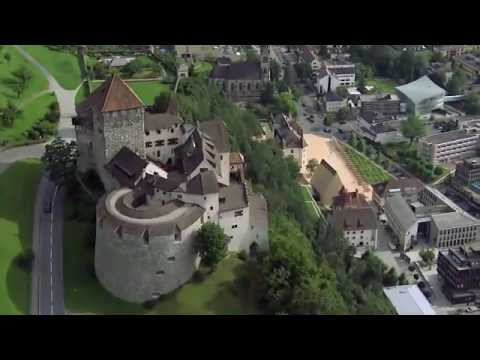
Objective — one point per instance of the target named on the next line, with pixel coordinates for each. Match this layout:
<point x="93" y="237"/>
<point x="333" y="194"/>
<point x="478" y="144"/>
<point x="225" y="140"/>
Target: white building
<point x="290" y="138"/>
<point x="422" y="95"/>
<point x="344" y="72"/>
<point x="356" y="219"/>
<point x="408" y="300"/>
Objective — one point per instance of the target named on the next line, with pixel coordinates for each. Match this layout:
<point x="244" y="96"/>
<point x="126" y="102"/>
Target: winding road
<point x="47" y="273"/>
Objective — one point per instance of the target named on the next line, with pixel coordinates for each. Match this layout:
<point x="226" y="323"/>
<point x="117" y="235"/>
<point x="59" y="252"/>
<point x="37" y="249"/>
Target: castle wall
<point x="160" y="144"/>
<point x="237" y="228"/>
<point x="137" y="271"/>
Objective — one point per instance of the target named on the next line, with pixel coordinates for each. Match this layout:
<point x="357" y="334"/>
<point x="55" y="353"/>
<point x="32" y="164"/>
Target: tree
<point x="402" y="279"/>
<point x="439" y="77"/>
<point x="428" y="256"/>
<point x="132" y="68"/>
<point x="438" y="57"/>
<point x="457" y="83"/>
<point x="287" y="104"/>
<point x="343" y="114"/>
<point x="472" y="104"/>
<point x="312" y="165"/>
<point x="211" y="244"/>
<point x="252" y="55"/>
<point x="9" y="114"/>
<point x="342" y="92"/>
<point x="161" y="102"/>
<point x="267" y="96"/>
<point x="323" y="52"/>
<point x="413" y="128"/>
<point x="22" y="76"/>
<point x="100" y="70"/>
<point x="438" y="170"/>
<point x="390" y="277"/>
<point x="361" y="145"/>
<point x="275" y="70"/>
<point x="303" y="71"/>
<point x="60" y="159"/>
<point x="353" y="141"/>
<point x="406" y="65"/>
<point x="7" y="57"/>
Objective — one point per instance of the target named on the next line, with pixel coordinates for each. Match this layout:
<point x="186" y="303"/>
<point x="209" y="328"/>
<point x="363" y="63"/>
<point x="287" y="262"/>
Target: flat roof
<point x="421" y="89"/>
<point x="448" y="136"/>
<point x="408" y="300"/>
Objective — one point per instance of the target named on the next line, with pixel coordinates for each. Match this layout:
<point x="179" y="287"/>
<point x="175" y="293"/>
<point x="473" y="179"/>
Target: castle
<point x="163" y="179"/>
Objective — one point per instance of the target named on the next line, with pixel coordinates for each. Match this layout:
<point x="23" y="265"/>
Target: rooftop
<point x="113" y="95"/>
<point x="448" y="136"/>
<point x="158" y="121"/>
<point x="421" y="89"/>
<point x="218" y="133"/>
<point x="243" y="70"/>
<point x="126" y="167"/>
<point x="402" y="212"/>
<point x="233" y="197"/>
<point x="408" y="300"/>
<point x="204" y="183"/>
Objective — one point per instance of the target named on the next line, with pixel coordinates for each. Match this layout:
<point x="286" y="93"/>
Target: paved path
<point x="66" y="98"/>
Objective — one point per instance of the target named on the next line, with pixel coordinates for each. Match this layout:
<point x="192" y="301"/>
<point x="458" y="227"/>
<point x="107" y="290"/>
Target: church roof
<point x="113" y="95"/>
<point x="243" y="70"/>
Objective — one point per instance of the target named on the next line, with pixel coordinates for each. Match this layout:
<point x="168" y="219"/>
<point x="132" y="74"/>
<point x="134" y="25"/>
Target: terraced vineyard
<point x="371" y="172"/>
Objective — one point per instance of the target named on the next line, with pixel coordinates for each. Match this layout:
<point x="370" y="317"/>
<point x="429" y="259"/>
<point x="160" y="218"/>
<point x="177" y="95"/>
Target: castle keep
<point x="163" y="179"/>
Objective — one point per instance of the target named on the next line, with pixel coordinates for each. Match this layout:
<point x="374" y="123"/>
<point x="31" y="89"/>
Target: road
<point x="47" y="279"/>
<point x="47" y="274"/>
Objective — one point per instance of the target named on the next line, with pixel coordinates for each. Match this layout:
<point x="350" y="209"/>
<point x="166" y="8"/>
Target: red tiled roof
<point x="113" y="95"/>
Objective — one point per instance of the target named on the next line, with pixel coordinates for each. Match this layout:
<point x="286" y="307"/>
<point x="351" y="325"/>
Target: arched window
<point x="249" y="85"/>
<point x="232" y="87"/>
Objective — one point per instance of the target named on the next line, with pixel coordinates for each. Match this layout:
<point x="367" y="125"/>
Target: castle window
<point x="179" y="196"/>
<point x="160" y="272"/>
<point x="159" y="142"/>
<point x="148" y="144"/>
<point x="158" y="153"/>
<point x="146" y="237"/>
<point x="173" y="141"/>
<point x="211" y="207"/>
<point x="238" y="213"/>
<point x="203" y="169"/>
<point x="204" y="198"/>
<point x="178" y="237"/>
<point x="248" y="86"/>
<point x="234" y="226"/>
<point x="171" y="258"/>
<point x="159" y="131"/>
<point x="118" y="231"/>
<point x="171" y="130"/>
<point x="147" y="133"/>
<point x="221" y="157"/>
<point x="222" y="200"/>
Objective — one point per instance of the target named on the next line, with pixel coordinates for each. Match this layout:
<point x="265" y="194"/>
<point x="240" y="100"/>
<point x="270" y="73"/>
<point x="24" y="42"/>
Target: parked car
<point x="327" y="130"/>
<point x="47" y="206"/>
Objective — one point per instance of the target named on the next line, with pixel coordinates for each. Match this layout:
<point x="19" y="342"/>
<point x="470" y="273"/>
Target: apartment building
<point x="468" y="171"/>
<point x="344" y="72"/>
<point x="459" y="270"/>
<point x="449" y="146"/>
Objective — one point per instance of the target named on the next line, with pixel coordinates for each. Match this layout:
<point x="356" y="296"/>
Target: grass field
<point x="146" y="90"/>
<point x="18" y="185"/>
<point x="382" y="85"/>
<point x="85" y="295"/>
<point x="63" y="65"/>
<point x="372" y="173"/>
<point x="32" y="111"/>
<point x="37" y="84"/>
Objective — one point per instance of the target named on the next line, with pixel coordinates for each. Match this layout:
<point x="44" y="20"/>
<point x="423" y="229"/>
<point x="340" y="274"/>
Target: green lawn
<point x="146" y="90"/>
<point x="32" y="111"/>
<point x="18" y="185"/>
<point x="37" y="84"/>
<point x="382" y="85"/>
<point x="85" y="295"/>
<point x="63" y="65"/>
<point x="372" y="173"/>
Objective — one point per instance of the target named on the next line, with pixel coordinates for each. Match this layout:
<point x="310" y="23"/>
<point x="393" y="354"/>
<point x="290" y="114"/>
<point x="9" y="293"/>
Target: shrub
<point x="25" y="260"/>
<point x="242" y="255"/>
<point x="438" y="170"/>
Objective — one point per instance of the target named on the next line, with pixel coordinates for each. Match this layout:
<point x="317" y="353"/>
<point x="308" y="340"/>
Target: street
<point x="47" y="274"/>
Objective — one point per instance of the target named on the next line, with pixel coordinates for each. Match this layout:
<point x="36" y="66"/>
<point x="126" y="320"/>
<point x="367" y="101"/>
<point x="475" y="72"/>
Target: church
<point x="242" y="80"/>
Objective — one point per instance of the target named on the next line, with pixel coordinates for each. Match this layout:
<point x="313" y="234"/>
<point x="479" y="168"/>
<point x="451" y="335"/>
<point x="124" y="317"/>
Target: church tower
<point x="265" y="62"/>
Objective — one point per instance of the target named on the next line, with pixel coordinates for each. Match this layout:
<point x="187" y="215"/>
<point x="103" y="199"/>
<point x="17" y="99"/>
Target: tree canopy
<point x="60" y="159"/>
<point x="211" y="244"/>
<point x="413" y="128"/>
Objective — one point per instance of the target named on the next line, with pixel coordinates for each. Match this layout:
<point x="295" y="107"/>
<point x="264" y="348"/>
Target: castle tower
<point x="265" y="62"/>
<point x="117" y="117"/>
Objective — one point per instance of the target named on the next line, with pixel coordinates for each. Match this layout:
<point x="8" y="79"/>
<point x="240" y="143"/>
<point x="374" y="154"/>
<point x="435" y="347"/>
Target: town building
<point x="343" y="71"/>
<point x="386" y="104"/>
<point x="449" y="146"/>
<point x="242" y="80"/>
<point x="467" y="172"/>
<point x="307" y="56"/>
<point x="289" y="135"/>
<point x="382" y="133"/>
<point x="326" y="183"/>
<point x="450" y="50"/>
<point x="428" y="215"/>
<point x="333" y="102"/>
<point x="192" y="53"/>
<point x="409" y="188"/>
<point x="164" y="179"/>
<point x="408" y="300"/>
<point x="469" y="62"/>
<point x="353" y="216"/>
<point x="459" y="269"/>
<point x="326" y="81"/>
<point x="421" y="96"/>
